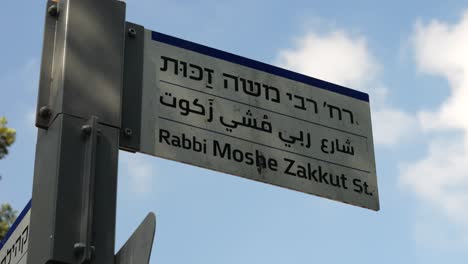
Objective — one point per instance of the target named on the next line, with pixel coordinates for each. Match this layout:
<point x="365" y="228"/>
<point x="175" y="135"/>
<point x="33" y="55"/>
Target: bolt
<point x="128" y="132"/>
<point x="86" y="130"/>
<point x="53" y="10"/>
<point x="79" y="248"/>
<point x="132" y="32"/>
<point x="45" y="112"/>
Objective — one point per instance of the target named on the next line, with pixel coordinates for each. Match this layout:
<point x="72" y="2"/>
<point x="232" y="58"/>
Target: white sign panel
<point x="14" y="247"/>
<point x="220" y="111"/>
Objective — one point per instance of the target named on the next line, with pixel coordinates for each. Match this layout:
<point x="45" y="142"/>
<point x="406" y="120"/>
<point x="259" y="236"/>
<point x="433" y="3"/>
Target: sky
<point x="410" y="56"/>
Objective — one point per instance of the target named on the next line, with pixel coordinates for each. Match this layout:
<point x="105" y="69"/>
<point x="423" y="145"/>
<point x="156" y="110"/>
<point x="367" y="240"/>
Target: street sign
<point x="231" y="114"/>
<point x="138" y="247"/>
<point x="14" y="247"/>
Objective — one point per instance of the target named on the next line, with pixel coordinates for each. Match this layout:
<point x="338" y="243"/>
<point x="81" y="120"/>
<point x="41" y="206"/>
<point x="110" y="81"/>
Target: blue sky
<point x="411" y="57"/>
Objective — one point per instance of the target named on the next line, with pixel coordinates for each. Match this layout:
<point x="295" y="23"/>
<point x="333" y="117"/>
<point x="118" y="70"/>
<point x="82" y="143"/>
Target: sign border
<point x="15" y="224"/>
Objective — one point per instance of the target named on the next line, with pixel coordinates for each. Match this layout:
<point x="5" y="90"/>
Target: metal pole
<point x="79" y="116"/>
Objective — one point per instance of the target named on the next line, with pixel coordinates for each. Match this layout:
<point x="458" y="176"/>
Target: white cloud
<point x="441" y="50"/>
<point x="30" y="117"/>
<point x="336" y="57"/>
<point x="391" y="126"/>
<point x="345" y="59"/>
<point x="440" y="179"/>
<point x="141" y="172"/>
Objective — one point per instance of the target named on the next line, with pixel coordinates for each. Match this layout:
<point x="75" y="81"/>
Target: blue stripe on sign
<point x="15" y="224"/>
<point x="258" y="65"/>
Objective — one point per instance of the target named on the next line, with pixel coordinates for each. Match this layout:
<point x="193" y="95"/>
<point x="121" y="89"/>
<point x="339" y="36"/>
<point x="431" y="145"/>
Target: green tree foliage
<point x="7" y="218"/>
<point x="7" y="214"/>
<point x="7" y="137"/>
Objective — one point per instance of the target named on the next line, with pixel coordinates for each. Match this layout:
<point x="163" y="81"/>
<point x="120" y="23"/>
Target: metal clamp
<point x="90" y="133"/>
